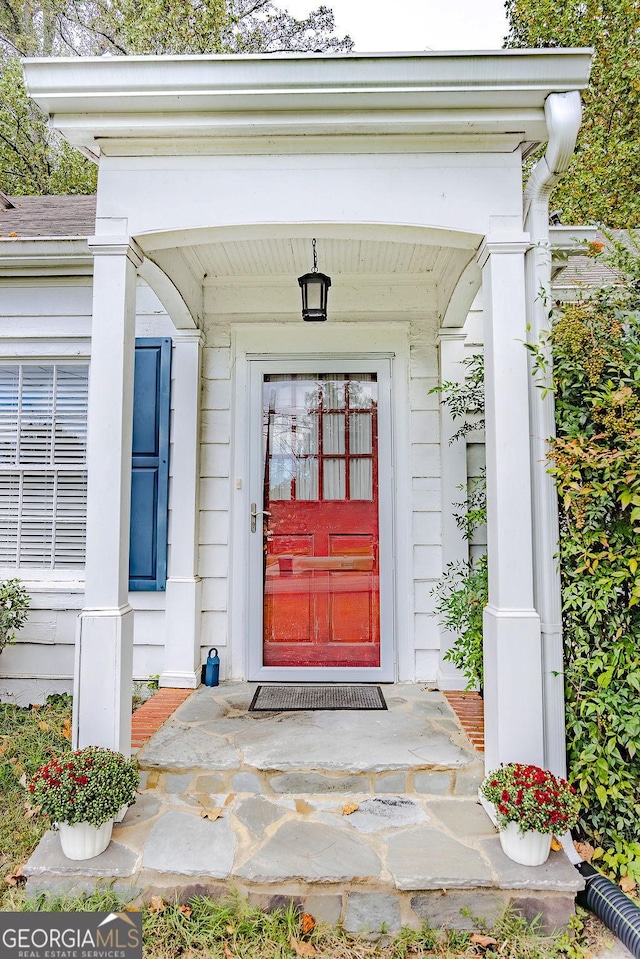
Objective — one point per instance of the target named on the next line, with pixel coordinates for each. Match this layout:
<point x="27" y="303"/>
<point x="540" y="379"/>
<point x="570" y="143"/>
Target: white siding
<point x="426" y="503"/>
<point x="215" y="491"/>
<point x="51" y="317"/>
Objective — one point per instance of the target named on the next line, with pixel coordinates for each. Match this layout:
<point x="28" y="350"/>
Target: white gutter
<point x="486" y="92"/>
<point x="563" y="112"/>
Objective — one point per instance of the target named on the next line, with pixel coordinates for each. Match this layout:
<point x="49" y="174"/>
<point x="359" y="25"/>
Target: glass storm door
<point x="320" y="520"/>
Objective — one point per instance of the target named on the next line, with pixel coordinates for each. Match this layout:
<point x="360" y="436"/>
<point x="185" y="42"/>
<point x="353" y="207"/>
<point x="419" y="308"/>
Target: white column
<point x="546" y="534"/>
<point x="512" y="649"/>
<point x="455" y="548"/>
<point x="104" y="647"/>
<point x="183" y="602"/>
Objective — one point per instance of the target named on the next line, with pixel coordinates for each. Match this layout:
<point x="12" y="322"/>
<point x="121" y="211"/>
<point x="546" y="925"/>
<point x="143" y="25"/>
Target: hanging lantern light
<point x="315" y="288"/>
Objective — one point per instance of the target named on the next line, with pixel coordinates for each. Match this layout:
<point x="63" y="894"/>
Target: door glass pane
<point x="307" y="479"/>
<point x="333" y="392"/>
<point x="360" y="479"/>
<point x="334" y="479"/>
<point x="360" y="433"/>
<point x="333" y="433"/>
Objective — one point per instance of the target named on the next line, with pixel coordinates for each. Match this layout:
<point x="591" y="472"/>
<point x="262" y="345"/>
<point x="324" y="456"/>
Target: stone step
<point x="421" y="781"/>
<point x="395" y="859"/>
<point x="213" y="743"/>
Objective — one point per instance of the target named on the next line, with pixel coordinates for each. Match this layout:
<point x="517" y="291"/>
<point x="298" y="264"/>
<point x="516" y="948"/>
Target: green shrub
<point x="14" y="610"/>
<point x="463" y="590"/>
<point x="596" y="465"/>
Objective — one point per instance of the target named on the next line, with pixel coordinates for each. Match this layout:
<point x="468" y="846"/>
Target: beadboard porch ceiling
<point x="357" y="263"/>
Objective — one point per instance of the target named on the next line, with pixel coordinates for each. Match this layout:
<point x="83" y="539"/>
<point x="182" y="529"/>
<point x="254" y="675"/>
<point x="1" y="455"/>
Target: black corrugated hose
<point x="618" y="912"/>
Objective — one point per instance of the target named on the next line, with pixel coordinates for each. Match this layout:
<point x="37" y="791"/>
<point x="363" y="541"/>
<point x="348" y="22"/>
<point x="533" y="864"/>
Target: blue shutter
<point x="150" y="465"/>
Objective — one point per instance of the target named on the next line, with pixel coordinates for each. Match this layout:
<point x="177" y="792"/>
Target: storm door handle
<point x="254" y="516"/>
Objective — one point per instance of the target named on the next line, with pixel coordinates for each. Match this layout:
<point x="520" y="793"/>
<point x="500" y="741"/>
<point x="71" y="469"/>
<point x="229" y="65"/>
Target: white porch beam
<point x="104" y="647"/>
<point x="454" y="475"/>
<point x="512" y="653"/>
<point x="183" y="603"/>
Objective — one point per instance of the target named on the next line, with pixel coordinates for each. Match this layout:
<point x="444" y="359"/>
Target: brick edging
<point x="469" y="708"/>
<point x="149" y="717"/>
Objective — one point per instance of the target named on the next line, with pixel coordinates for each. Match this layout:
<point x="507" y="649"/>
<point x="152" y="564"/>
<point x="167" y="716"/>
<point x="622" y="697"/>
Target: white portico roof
<point x="121" y="105"/>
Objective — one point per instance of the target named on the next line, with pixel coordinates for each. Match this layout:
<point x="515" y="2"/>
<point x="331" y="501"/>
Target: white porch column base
<point x="104" y="660"/>
<point x="512" y="687"/>
<point x="181" y="653"/>
<point x="179" y="680"/>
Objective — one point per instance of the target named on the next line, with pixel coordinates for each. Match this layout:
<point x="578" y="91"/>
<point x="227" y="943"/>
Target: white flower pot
<point x="528" y="848"/>
<point x="84" y="841"/>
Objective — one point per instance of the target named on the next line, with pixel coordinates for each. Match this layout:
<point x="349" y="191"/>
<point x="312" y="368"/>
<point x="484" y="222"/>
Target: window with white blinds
<point x="43" y="478"/>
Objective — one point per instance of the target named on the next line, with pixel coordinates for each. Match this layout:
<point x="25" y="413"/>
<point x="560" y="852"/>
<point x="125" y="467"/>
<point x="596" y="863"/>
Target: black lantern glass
<point x="315" y="289"/>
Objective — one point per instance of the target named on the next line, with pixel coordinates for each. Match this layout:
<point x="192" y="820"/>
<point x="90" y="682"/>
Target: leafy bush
<point x="596" y="465"/>
<point x="463" y="590"/>
<point x="14" y="610"/>
<point x="461" y="596"/>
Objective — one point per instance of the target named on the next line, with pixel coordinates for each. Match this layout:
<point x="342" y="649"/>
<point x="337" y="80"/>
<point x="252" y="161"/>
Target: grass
<point x="230" y="929"/>
<point x="225" y="929"/>
<point x="29" y="738"/>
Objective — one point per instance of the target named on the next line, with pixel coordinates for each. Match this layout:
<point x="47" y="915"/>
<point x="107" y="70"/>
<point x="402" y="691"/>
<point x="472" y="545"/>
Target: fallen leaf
<point x="481" y="940"/>
<point x="302" y="948"/>
<point x="230" y="930"/>
<point x="303" y="807"/>
<point x="627" y="884"/>
<point x="227" y="951"/>
<point x="30" y="811"/>
<point x="36" y="707"/>
<point x="45" y="727"/>
<point x="66" y="729"/>
<point x="18" y="770"/>
<point x="585" y="849"/>
<point x="308" y="923"/>
<point x="556" y="845"/>
<point x="228" y="799"/>
<point x="350" y="807"/>
<point x="16" y="878"/>
<point x="156" y="904"/>
<point x="186" y="911"/>
<point x="132" y="908"/>
<point x="212" y="814"/>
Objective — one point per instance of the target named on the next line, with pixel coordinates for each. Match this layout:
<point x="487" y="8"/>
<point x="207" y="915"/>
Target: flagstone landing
<point x="366" y="818"/>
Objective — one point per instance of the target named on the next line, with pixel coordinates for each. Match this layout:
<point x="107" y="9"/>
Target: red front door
<point x="321" y="563"/>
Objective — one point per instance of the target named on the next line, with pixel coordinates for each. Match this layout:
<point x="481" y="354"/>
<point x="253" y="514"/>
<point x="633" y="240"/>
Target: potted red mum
<point x="531" y="805"/>
<point x="82" y="792"/>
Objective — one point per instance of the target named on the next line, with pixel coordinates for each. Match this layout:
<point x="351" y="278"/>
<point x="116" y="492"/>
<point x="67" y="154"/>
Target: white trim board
<point x="291" y="348"/>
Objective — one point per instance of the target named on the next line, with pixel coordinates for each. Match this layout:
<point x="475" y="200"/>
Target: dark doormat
<point x="269" y="698"/>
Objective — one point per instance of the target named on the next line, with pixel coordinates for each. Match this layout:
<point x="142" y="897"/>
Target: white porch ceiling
<point x="412" y="275"/>
<point x="293" y="256"/>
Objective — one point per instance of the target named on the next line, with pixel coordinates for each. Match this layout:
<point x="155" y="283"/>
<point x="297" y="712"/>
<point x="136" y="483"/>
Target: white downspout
<point x="563" y="112"/>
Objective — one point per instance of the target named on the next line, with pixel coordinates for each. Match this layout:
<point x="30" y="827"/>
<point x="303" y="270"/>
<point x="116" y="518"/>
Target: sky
<point x="375" y="26"/>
